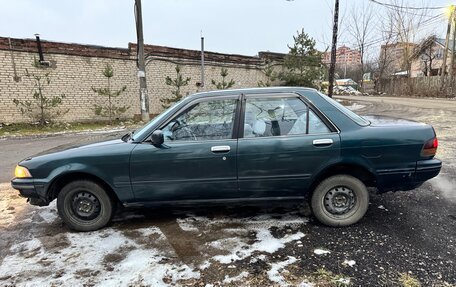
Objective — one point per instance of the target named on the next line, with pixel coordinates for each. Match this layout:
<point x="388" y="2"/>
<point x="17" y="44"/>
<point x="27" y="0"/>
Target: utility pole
<point x="451" y="70"/>
<point x="332" y="65"/>
<point x="445" y="52"/>
<point x="202" y="61"/>
<point x="143" y="95"/>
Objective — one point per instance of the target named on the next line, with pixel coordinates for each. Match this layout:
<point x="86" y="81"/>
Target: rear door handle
<point x="322" y="142"/>
<point x="220" y="148"/>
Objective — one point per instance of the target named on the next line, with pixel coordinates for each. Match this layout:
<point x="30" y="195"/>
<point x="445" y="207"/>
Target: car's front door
<point x="197" y="159"/>
<point x="283" y="143"/>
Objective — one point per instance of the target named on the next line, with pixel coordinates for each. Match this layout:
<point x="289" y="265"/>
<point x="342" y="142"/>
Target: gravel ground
<point x="404" y="235"/>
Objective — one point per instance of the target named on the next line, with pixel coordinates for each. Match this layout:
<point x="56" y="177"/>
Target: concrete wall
<point x="76" y="68"/>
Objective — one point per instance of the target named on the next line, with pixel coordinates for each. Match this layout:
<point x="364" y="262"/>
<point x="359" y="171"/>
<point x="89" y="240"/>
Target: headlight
<point x="21" y="172"/>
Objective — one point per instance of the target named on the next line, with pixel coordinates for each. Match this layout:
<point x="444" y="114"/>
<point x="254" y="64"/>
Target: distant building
<point x="346" y="82"/>
<point x="394" y="58"/>
<point x="344" y="55"/>
<point x="427" y="59"/>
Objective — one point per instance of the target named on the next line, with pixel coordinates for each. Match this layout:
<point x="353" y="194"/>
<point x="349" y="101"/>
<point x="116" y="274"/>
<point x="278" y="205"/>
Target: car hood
<point x="76" y="147"/>
<point x="383" y="121"/>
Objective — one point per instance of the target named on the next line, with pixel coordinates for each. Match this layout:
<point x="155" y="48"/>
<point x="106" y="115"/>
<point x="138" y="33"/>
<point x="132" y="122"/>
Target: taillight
<point x="430" y="147"/>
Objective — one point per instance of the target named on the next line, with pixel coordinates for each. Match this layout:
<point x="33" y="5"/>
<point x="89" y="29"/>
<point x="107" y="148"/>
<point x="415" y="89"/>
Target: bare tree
<point x="406" y="23"/>
<point x="361" y="27"/>
<point x="385" y="58"/>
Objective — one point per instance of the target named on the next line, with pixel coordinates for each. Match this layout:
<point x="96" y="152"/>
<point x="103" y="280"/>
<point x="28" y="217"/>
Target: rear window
<point x="346" y="111"/>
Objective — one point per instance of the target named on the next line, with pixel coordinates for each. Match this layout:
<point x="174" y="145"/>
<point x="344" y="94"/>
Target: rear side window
<point x="266" y="117"/>
<point x="346" y="111"/>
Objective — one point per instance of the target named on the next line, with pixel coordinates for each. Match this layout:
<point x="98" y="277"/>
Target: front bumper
<point x="27" y="189"/>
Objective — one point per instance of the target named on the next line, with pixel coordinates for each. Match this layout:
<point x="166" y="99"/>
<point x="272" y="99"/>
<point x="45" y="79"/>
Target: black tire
<point x="340" y="200"/>
<point x="85" y="205"/>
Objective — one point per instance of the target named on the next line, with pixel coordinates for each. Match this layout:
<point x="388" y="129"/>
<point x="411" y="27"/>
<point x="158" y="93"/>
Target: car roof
<point x="249" y="91"/>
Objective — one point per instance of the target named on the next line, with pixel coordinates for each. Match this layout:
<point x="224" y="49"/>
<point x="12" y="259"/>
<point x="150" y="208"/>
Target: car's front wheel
<point x="84" y="205"/>
<point x="340" y="200"/>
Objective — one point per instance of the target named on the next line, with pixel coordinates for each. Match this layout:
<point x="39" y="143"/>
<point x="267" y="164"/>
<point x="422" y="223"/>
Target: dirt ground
<point x="404" y="237"/>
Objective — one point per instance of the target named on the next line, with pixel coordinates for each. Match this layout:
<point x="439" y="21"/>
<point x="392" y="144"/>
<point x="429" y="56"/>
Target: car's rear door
<point x="198" y="158"/>
<point x="283" y="141"/>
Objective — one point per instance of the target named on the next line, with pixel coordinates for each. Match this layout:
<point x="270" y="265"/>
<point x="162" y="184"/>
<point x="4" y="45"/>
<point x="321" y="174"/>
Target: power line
<point x="424" y="24"/>
<point x="406" y="7"/>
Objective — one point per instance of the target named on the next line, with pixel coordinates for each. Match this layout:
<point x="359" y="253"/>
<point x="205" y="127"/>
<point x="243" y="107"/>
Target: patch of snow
<point x="270" y="244"/>
<point x="145" y="265"/>
<point x="26" y="246"/>
<point x="356" y="106"/>
<point x="49" y="214"/>
<point x="86" y="254"/>
<point x="262" y="257"/>
<point x="350" y="263"/>
<point x="344" y="281"/>
<point x="204" y="265"/>
<point x="276" y="268"/>
<point x="321" y="251"/>
<point x="147" y="231"/>
<point x="239" y="277"/>
<point x="185" y="225"/>
<point x="265" y="243"/>
<point x="382" y="207"/>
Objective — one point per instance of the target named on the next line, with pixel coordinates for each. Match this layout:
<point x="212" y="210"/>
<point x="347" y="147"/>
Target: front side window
<point x="280" y="116"/>
<point x="209" y="120"/>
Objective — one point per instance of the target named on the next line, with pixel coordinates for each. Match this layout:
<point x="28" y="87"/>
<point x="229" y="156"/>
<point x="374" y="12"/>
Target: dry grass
<point x="407" y="280"/>
<point x="325" y="278"/>
<point x="27" y="129"/>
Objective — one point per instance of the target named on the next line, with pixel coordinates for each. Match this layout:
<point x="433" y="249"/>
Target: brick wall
<point x="76" y="68"/>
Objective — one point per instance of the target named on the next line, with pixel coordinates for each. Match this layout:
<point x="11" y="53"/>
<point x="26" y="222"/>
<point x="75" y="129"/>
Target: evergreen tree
<point x="303" y="63"/>
<point x="109" y="109"/>
<point x="223" y="85"/>
<point x="176" y="85"/>
<point x="270" y="74"/>
<point x="42" y="109"/>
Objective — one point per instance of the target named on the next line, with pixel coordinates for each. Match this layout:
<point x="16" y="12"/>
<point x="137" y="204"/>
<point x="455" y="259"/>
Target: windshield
<point x="346" y="111"/>
<point x="141" y="131"/>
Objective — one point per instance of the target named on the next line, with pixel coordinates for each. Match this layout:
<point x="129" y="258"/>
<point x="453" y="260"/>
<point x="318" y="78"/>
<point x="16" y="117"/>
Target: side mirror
<point x="157" y="138"/>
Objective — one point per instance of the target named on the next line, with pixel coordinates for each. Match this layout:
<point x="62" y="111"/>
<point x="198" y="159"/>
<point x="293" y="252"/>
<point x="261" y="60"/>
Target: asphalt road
<point x="421" y="103"/>
<point x="411" y="232"/>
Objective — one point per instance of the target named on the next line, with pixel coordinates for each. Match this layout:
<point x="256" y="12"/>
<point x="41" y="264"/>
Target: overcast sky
<point x="235" y="26"/>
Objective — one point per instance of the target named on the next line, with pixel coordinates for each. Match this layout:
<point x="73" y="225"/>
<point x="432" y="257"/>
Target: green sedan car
<point x="237" y="146"/>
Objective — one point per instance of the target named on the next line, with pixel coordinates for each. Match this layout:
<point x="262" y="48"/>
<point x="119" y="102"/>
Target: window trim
<point x="329" y="124"/>
<point x="192" y="104"/>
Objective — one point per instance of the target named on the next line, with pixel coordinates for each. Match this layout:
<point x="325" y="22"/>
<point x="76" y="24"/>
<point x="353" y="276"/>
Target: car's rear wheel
<point x="340" y="200"/>
<point x="84" y="205"/>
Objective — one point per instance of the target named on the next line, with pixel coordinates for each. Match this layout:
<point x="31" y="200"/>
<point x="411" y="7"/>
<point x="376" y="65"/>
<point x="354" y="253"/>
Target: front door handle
<point x="322" y="142"/>
<point x="220" y="148"/>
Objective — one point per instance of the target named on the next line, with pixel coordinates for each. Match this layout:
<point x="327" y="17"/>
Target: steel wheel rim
<point x="339" y="200"/>
<point x="85" y="205"/>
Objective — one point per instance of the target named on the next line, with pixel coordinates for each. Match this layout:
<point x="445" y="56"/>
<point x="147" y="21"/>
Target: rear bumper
<point x="410" y="178"/>
<point x="427" y="169"/>
<point x="27" y="189"/>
